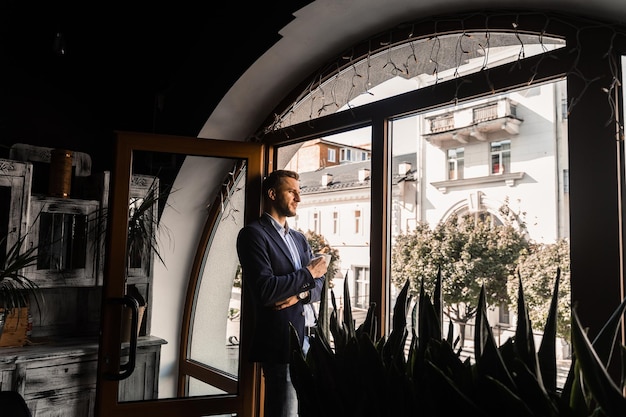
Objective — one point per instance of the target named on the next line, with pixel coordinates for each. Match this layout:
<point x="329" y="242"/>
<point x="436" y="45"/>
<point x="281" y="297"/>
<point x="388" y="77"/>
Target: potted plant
<point x="16" y="290"/>
<point x="360" y="376"/>
<point x="144" y="234"/>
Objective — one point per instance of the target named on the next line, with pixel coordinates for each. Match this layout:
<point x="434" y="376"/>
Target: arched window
<point x="487" y="89"/>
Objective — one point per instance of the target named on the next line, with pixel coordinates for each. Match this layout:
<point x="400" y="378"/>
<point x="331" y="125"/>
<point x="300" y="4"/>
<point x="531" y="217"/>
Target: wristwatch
<point x="303" y="295"/>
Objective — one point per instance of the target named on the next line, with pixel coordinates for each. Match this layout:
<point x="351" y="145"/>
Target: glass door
<point x="172" y="336"/>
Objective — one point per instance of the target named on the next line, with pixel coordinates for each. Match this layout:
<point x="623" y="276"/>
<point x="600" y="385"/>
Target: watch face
<point x="302" y="295"/>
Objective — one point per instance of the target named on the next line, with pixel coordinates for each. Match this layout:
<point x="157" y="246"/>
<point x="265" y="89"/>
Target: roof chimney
<point x="404" y="168"/>
<point x="327" y="179"/>
<point x="364" y="174"/>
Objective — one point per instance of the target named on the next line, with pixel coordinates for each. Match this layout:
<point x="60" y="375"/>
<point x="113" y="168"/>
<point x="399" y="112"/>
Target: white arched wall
<point x="185" y="216"/>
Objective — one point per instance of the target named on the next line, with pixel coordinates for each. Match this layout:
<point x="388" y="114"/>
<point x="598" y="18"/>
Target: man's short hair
<point x="275" y="178"/>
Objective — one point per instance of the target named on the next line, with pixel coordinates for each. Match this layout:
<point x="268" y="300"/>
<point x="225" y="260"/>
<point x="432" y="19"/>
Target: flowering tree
<point x="538" y="269"/>
<point x="471" y="251"/>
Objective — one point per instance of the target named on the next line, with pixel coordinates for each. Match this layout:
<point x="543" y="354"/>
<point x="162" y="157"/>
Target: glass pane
<point x="388" y="70"/>
<point x="335" y="208"/>
<point x="171" y="198"/>
<point x="217" y="315"/>
<point x="62" y="239"/>
<point x="524" y="210"/>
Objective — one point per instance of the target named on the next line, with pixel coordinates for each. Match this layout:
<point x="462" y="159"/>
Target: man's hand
<point x="279" y="305"/>
<point x="317" y="267"/>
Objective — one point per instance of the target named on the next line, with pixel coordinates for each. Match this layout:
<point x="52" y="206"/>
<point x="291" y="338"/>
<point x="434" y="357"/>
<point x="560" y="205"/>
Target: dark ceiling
<point x="123" y="65"/>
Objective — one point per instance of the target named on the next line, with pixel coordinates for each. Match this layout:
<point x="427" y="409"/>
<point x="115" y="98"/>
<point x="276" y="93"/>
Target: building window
<point x="455" y="163"/>
<point x="316" y="222"/>
<point x="504" y="316"/>
<point x="357" y="221"/>
<point x="362" y="287"/>
<point x="346" y="155"/>
<point x="332" y="155"/>
<point x="500" y="157"/>
<point x="335" y="223"/>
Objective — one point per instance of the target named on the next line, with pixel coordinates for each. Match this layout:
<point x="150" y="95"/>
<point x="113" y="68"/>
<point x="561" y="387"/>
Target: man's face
<point x="287" y="197"/>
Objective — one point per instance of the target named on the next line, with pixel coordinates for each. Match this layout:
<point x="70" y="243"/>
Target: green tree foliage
<point x="537" y="269"/>
<point x="472" y="251"/>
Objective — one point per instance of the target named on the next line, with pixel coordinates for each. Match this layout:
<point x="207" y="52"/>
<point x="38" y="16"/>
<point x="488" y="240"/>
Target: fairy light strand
<point x="356" y="73"/>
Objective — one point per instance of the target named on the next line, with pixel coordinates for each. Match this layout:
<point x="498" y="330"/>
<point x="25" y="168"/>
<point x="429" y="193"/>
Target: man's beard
<point x="286" y="211"/>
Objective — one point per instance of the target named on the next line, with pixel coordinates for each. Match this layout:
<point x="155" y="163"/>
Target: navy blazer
<point x="269" y="275"/>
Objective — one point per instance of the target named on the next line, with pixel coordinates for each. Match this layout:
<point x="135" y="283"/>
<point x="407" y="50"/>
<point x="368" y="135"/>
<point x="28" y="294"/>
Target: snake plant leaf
<point x="604" y="342"/>
<point x="482" y="325"/>
<point x="429" y="326"/>
<point x="524" y="338"/>
<point x="574" y="397"/>
<point x="547" y="348"/>
<point x="441" y="355"/>
<point x="401" y="306"/>
<point x="429" y="323"/>
<point x="455" y="402"/>
<point x="323" y="317"/>
<point x="302" y="378"/>
<point x="498" y="396"/>
<point x="368" y="326"/>
<point x="347" y="310"/>
<point x="413" y="363"/>
<point x="328" y="375"/>
<point x="438" y="298"/>
<point x="337" y="329"/>
<point x="394" y="347"/>
<point x="488" y="358"/>
<point x="372" y="378"/>
<point x="604" y="390"/>
<point x="349" y="365"/>
<point x="573" y="392"/>
<point x="531" y="389"/>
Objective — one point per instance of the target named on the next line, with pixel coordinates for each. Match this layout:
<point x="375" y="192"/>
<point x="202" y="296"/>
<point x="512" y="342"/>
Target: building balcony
<point x="495" y="120"/>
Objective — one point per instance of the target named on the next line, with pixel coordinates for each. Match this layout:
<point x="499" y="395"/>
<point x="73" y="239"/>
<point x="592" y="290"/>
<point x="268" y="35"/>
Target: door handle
<point x="128" y="367"/>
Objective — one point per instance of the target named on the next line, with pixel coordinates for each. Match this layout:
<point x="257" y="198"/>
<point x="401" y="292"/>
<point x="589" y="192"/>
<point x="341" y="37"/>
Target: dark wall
<point x="116" y="67"/>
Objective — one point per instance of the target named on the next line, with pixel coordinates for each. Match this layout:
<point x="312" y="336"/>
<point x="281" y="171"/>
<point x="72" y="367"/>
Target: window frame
<point x="500" y="158"/>
<point x="454" y="171"/>
<point x="595" y="248"/>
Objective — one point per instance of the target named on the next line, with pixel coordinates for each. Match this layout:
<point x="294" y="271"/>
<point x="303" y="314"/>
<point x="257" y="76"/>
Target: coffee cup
<point x="327" y="257"/>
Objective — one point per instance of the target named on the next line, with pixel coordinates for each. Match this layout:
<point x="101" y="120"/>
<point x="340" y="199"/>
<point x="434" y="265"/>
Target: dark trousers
<point x="280" y="396"/>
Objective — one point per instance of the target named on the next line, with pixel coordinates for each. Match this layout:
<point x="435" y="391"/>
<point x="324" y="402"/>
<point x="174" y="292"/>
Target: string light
<point x="433" y="53"/>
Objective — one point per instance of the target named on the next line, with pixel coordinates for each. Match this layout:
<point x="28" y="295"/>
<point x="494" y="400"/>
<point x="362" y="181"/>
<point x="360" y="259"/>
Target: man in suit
<point x="280" y="276"/>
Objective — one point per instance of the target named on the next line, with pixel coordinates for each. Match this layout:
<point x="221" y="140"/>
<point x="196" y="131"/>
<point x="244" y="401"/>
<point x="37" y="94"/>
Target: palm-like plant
<point x="142" y="225"/>
<point x="16" y="290"/>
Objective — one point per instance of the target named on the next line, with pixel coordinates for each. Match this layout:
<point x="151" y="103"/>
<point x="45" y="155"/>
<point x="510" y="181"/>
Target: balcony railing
<point x="491" y="121"/>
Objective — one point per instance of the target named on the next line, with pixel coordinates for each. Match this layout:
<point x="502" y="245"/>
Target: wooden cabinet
<point x="59" y="379"/>
<point x="15" y="186"/>
<point x="6" y="375"/>
<point x="56" y="375"/>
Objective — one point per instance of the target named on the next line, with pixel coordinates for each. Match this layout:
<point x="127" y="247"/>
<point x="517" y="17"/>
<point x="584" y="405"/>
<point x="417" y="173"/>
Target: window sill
<point x="507" y="179"/>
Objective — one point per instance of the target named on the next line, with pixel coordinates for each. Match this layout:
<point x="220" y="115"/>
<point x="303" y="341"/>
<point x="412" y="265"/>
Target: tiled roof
<point x="346" y="176"/>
